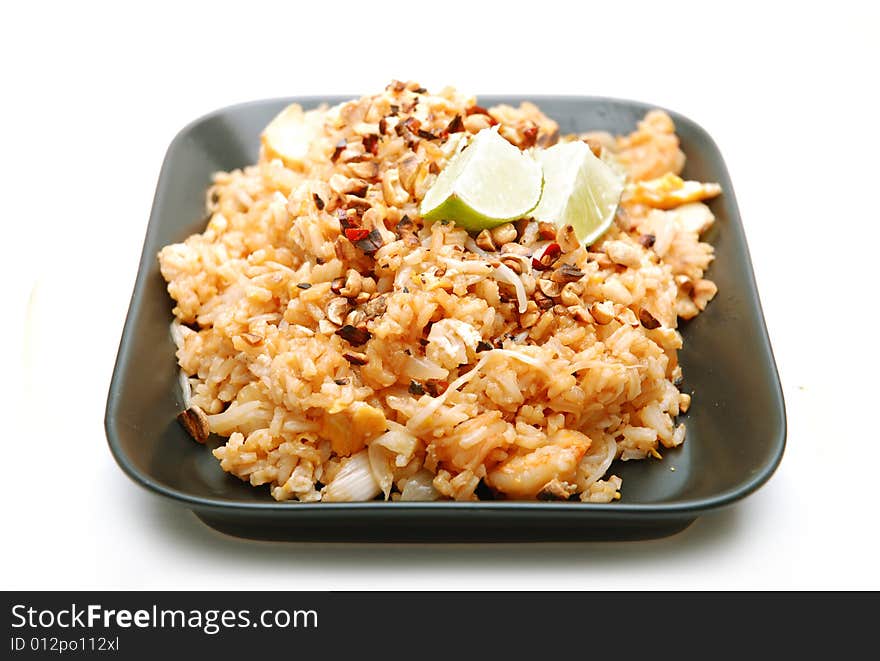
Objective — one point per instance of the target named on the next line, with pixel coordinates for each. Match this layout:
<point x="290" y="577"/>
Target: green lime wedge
<point x="489" y="183"/>
<point x="579" y="190"/>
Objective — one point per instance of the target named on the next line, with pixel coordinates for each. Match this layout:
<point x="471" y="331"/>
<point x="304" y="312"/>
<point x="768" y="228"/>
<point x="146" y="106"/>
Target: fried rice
<point x="348" y="350"/>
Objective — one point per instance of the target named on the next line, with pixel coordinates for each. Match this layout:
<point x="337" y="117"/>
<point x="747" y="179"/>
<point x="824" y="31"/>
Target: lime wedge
<point x="489" y="183"/>
<point x="579" y="190"/>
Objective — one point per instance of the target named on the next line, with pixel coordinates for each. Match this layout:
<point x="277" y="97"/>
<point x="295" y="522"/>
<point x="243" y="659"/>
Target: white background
<point x="92" y="95"/>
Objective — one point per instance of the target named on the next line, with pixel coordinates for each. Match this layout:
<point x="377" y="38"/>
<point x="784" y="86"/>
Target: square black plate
<point x="736" y="425"/>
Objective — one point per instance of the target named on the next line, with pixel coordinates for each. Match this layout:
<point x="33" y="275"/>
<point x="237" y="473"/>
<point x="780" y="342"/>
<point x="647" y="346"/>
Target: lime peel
<point x="489" y="183"/>
<point x="580" y="190"/>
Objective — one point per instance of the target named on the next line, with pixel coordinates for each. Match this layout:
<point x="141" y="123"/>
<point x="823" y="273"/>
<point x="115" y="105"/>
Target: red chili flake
<point x="371" y="242"/>
<point x="552" y="251"/>
<point x="371" y="143"/>
<point x="455" y="126"/>
<point x="347" y="221"/>
<point x="530" y="135"/>
<point x="383" y="126"/>
<point x="354" y="234"/>
<point x="545" y="260"/>
<point x="339" y="147"/>
<point x="426" y="135"/>
<point x="410" y="124"/>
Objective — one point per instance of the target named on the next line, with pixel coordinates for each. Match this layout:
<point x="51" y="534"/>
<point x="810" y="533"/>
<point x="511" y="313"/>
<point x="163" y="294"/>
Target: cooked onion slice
<point x="353" y="482"/>
<point x="419" y="488"/>
<point x="503" y="273"/>
<point x="596" y="462"/>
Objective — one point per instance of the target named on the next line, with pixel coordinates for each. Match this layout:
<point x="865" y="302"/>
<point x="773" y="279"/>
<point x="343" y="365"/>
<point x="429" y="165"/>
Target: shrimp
<point x="524" y="476"/>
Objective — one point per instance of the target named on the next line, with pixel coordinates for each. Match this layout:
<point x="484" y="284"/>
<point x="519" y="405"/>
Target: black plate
<point x="735" y="427"/>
